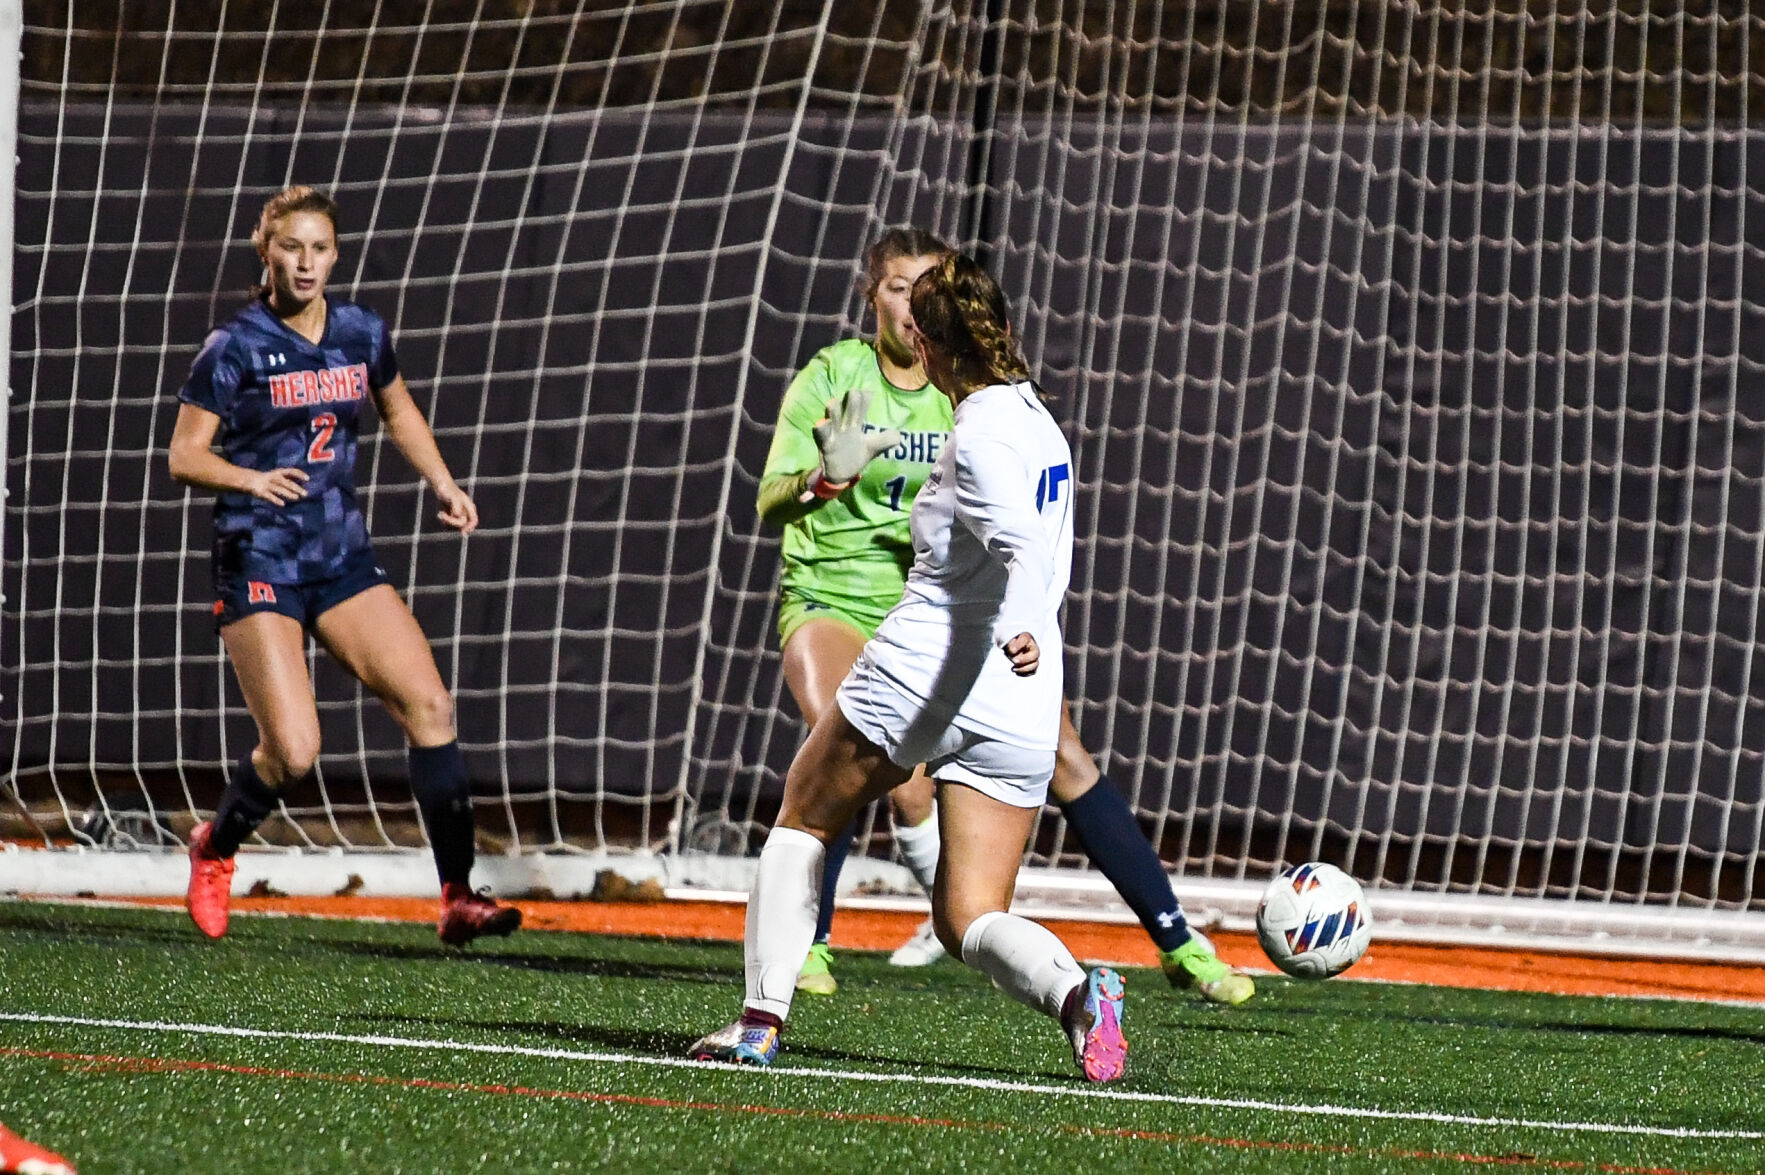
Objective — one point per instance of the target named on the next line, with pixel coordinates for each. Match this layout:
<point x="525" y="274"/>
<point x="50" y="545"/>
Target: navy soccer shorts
<point x="237" y="597"/>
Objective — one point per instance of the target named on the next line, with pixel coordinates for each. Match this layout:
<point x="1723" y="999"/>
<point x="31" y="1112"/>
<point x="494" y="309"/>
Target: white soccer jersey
<point x="992" y="546"/>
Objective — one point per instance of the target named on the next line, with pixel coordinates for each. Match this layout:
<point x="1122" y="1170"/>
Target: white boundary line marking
<point x="988" y="1084"/>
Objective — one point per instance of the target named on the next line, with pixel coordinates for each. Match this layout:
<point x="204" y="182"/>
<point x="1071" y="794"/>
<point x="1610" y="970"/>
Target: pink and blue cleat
<point x="1093" y="1022"/>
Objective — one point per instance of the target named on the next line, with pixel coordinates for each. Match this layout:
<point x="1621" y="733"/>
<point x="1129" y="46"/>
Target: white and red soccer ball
<point x="1313" y="921"/>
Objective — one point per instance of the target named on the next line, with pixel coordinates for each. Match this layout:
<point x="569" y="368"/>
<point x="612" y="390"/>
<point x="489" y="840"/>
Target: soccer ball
<point x="1313" y="921"/>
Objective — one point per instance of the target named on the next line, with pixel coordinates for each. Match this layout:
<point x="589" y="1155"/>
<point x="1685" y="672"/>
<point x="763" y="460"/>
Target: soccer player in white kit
<point x="955" y="678"/>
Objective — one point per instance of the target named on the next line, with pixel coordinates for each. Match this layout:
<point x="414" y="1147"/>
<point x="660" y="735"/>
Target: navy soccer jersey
<point x="285" y="402"/>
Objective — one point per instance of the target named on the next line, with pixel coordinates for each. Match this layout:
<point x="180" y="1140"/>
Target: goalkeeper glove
<point x="845" y="447"/>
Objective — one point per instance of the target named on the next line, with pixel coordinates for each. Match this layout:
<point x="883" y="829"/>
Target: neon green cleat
<point x="1194" y="964"/>
<point x="816" y="977"/>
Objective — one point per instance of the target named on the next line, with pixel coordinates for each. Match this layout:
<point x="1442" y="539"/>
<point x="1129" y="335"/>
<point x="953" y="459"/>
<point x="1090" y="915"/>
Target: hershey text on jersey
<point x="294" y="389"/>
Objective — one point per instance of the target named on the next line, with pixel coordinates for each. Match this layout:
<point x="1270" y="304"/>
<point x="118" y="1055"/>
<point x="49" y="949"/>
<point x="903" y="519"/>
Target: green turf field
<point x="132" y="1045"/>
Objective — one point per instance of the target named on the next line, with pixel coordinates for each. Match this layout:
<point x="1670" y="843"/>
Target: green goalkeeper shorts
<point x="795" y="609"/>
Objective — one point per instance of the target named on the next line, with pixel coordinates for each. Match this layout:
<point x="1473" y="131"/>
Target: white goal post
<point x="1406" y="352"/>
<point x="11" y="36"/>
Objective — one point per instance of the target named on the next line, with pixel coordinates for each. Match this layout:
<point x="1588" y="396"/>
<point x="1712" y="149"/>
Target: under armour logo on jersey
<point x="1048" y="485"/>
<point x="275" y="359"/>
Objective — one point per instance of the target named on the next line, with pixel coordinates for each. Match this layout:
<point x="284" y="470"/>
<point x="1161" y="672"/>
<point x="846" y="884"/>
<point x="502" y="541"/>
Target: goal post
<point x="1405" y="351"/>
<point x="11" y="37"/>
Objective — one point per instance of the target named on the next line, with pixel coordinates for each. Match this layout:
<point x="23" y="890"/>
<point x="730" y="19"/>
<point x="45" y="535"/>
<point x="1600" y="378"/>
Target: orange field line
<point x="1445" y="966"/>
<point x="107" y="1062"/>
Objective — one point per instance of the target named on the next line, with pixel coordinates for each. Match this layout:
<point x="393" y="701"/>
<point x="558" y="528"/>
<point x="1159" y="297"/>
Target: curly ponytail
<point x="960" y="310"/>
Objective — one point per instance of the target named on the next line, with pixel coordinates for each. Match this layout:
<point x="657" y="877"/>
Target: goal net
<point x="1408" y="353"/>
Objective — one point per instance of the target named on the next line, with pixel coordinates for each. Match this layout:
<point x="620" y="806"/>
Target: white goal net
<point x="1410" y="356"/>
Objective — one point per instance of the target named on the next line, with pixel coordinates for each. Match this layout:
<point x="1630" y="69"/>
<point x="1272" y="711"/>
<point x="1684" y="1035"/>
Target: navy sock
<point x="1111" y="837"/>
<point x="247" y="803"/>
<point x="444" y="796"/>
<point x="830" y="878"/>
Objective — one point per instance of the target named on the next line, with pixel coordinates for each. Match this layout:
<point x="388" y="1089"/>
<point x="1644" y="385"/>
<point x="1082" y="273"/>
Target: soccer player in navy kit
<point x="280" y="385"/>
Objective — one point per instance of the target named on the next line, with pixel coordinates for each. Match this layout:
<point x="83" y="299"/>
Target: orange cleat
<point x="211" y="882"/>
<point x="466" y="915"/>
<point x="18" y="1157"/>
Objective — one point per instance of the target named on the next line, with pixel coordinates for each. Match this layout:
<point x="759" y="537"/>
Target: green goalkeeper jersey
<point x="855" y="548"/>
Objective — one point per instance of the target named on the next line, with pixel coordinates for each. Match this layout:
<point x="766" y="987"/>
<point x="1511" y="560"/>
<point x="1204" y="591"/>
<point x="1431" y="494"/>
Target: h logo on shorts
<point x="259" y="593"/>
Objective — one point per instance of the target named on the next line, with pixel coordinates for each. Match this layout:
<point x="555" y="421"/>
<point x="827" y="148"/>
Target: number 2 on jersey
<point x="324" y="424"/>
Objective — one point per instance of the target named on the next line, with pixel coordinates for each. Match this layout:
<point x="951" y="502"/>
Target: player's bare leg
<point x="268" y="654"/>
<point x="983" y="847"/>
<point x="836" y="771"/>
<point x="1106" y="828"/>
<point x="817" y="658"/>
<point x="375" y="637"/>
<point x="1075" y="772"/>
<point x="984" y="840"/>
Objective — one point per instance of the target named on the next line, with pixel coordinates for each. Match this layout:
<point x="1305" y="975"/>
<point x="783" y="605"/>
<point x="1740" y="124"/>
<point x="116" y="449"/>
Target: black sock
<point x="831" y="864"/>
<point x="444" y="796"/>
<point x="1111" y="837"/>
<point x="247" y="803"/>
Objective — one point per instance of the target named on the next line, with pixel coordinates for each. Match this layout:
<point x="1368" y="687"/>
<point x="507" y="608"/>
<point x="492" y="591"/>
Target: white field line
<point x="991" y="1085"/>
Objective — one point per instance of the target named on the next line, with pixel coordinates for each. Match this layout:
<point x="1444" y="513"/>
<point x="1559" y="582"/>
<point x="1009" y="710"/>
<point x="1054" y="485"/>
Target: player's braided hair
<point x="905" y="241"/>
<point x="287" y="202"/>
<point x="960" y="310"/>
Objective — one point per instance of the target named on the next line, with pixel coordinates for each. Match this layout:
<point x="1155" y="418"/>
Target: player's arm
<point x="203" y="403"/>
<point x="996" y="499"/>
<point x="793" y="460"/>
<point x="819" y="448"/>
<point x="193" y="462"/>
<point x="404" y="423"/>
<point x="785" y="498"/>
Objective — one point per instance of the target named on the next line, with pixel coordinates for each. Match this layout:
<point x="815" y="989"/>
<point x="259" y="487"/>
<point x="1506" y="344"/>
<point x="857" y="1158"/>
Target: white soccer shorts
<point x="910" y="734"/>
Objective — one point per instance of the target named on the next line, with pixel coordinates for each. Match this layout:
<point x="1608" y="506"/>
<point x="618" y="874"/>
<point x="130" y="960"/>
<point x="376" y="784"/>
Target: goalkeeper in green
<point x="846" y="542"/>
<point x="857" y="434"/>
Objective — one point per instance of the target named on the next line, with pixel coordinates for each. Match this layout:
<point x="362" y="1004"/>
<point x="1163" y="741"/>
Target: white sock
<point x="781" y="918"/>
<point x="1023" y="959"/>
<point x="919" y="848"/>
